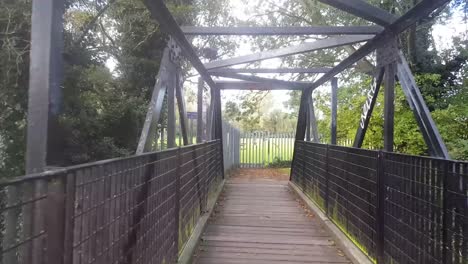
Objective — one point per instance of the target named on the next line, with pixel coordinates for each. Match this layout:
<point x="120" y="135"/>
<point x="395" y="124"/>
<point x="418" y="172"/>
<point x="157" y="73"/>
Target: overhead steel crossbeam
<point x="265" y="70"/>
<point x="169" y="26"/>
<point x="364" y="10"/>
<point x="257" y="86"/>
<point x="268" y="31"/>
<point x="297" y="85"/>
<point x="421" y="10"/>
<point x="282" y="52"/>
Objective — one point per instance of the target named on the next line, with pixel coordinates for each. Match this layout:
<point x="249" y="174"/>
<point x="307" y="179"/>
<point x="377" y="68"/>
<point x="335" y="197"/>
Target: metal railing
<point x="140" y="209"/>
<point x="396" y="208"/>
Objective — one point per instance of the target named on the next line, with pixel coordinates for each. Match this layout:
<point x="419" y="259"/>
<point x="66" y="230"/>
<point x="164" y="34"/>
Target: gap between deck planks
<point x="259" y="221"/>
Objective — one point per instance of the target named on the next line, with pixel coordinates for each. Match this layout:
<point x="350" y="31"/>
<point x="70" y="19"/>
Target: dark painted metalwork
<point x="181" y="107"/>
<point x="44" y="139"/>
<point x="218" y="123"/>
<point x="149" y="131"/>
<point x="168" y="24"/>
<point x="422" y="9"/>
<point x="200" y="111"/>
<point x="308" y="132"/>
<point x="368" y="108"/>
<point x="313" y="121"/>
<point x="266" y="70"/>
<point x="251" y="78"/>
<point x="292" y="50"/>
<point x="380" y="207"/>
<point x="389" y="106"/>
<point x="422" y="115"/>
<point x="261" y="86"/>
<point x="171" y="117"/>
<point x="121" y="209"/>
<point x="398" y="208"/>
<point x="302" y="117"/>
<point x="262" y="31"/>
<point x="364" y="10"/>
<point x="334" y="109"/>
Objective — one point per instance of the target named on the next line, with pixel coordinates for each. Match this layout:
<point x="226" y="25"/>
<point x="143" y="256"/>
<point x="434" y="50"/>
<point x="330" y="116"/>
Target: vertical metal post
<point x="45" y="92"/>
<point x="181" y="107"/>
<point x="302" y="117"/>
<point x="380" y="217"/>
<point x="44" y="139"/>
<point x="55" y="219"/>
<point x="389" y="106"/>
<point x="308" y="124"/>
<point x="200" y="111"/>
<point x="69" y="218"/>
<point x="446" y="178"/>
<point x="327" y="182"/>
<point x="177" y="202"/>
<point x="334" y="108"/>
<point x="313" y="121"/>
<point x="218" y="128"/>
<point x="171" y="125"/>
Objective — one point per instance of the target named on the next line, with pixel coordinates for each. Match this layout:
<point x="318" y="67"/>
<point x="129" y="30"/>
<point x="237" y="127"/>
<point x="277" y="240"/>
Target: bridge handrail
<point x="396" y="208"/>
<point x="125" y="209"/>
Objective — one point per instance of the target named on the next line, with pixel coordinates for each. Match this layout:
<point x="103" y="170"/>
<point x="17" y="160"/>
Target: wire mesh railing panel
<point x="413" y="208"/>
<point x="352" y="192"/>
<point x="456" y="213"/>
<point x="23" y="230"/>
<point x="310" y="176"/>
<point x="199" y="176"/>
<point x="396" y="208"/>
<point x="130" y="210"/>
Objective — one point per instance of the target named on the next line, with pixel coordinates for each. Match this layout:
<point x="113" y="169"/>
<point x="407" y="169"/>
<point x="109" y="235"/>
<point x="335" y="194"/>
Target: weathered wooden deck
<point x="260" y="220"/>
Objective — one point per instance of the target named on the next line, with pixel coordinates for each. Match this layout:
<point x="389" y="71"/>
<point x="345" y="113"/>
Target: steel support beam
<point x="44" y="147"/>
<point x="149" y="131"/>
<point x="313" y="121"/>
<point x="265" y="70"/>
<point x="389" y="106"/>
<point x="251" y="78"/>
<point x="422" y="115"/>
<point x="44" y="140"/>
<point x="363" y="10"/>
<point x="292" y="50"/>
<point x="252" y="86"/>
<point x="367" y="109"/>
<point x="200" y="111"/>
<point x="308" y="136"/>
<point x="421" y="10"/>
<point x="209" y="120"/>
<point x="302" y="117"/>
<point x="168" y="25"/>
<point x="218" y="121"/>
<point x="171" y="116"/>
<point x="268" y="31"/>
<point x="181" y="107"/>
<point x="334" y="109"/>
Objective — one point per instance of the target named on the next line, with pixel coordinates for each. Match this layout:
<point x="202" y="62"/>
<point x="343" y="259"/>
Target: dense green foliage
<point x="112" y="53"/>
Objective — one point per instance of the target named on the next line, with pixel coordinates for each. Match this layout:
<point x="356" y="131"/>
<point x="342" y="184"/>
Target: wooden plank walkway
<point x="260" y="221"/>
